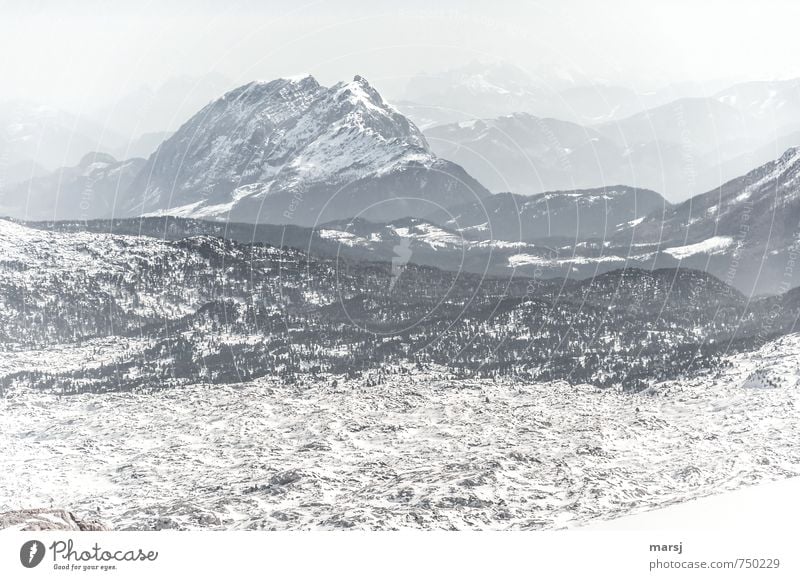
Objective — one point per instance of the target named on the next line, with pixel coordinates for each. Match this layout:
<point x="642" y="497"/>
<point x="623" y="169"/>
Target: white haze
<point x="119" y="77"/>
<point x="79" y="54"/>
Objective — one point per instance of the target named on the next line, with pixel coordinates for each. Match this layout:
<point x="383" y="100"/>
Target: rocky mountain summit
<point x="294" y="151"/>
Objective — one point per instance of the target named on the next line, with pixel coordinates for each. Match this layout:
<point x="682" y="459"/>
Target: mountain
<point x="88" y="190"/>
<point x="527" y="154"/>
<point x="293" y="151"/>
<point x="591" y="104"/>
<point x="477" y="90"/>
<point x="480" y="90"/>
<point x="679" y="149"/>
<point x="745" y="231"/>
<point x="577" y="215"/>
<point x="48" y="137"/>
<point x="776" y="104"/>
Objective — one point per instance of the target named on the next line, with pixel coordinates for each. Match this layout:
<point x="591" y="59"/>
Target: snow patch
<point x="713" y="245"/>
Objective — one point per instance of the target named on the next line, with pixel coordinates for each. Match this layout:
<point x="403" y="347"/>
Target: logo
<point x="32" y="553"/>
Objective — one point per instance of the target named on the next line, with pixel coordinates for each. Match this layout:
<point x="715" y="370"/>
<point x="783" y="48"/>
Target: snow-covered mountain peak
<point x="280" y="86"/>
<point x="790" y="157"/>
<point x="360" y="104"/>
<point x="360" y="88"/>
<point x="292" y="137"/>
<point x="359" y="93"/>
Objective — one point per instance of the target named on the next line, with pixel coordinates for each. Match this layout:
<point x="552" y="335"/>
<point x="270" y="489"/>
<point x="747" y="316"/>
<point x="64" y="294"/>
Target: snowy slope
<point x="758" y="507"/>
<point x="422" y="450"/>
<point x="574" y="215"/>
<point x="293" y="151"/>
<point x="744" y="231"/>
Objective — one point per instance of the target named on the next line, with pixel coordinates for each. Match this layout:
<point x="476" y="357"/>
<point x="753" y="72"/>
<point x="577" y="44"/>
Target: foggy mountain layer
<point x="676" y="147"/>
<point x="744" y="233"/>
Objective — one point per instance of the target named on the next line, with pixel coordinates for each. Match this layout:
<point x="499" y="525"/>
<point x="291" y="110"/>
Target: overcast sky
<point x="68" y="52"/>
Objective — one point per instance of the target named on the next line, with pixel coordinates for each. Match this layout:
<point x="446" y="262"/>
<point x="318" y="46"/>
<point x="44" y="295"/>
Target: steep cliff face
<point x="293" y="151"/>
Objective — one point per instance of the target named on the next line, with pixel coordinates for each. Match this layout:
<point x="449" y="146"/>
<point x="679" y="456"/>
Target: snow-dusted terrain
<point x="294" y="151"/>
<point x="423" y="452"/>
<point x="767" y="506"/>
<point x="406" y="352"/>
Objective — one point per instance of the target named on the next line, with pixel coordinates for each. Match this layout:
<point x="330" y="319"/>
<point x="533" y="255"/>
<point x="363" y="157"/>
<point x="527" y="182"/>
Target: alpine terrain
<point x="292" y="151"/>
<point x="301" y="312"/>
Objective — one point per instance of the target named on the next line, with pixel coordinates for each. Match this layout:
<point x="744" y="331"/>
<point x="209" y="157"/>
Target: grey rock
<point x="45" y="519"/>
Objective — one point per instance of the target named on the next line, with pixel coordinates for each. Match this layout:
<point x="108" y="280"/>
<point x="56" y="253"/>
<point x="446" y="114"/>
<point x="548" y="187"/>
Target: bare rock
<point x="45" y="519"/>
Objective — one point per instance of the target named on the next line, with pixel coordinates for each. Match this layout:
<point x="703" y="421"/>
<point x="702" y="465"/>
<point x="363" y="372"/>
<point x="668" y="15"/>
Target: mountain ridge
<point x="287" y="148"/>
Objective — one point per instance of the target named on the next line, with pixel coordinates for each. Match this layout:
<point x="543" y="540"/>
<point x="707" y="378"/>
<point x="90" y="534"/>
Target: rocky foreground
<point x="428" y="452"/>
<point x="46" y="519"/>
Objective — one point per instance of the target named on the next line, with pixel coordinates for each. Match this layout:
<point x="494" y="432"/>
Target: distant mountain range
<point x="46" y="137"/>
<point x="515" y="133"/>
<point x="480" y="90"/>
<point x="745" y="233"/>
<point x="361" y="179"/>
<point x="525" y="154"/>
<point x="776" y="104"/>
<point x="679" y="149"/>
<point x="85" y="191"/>
<point x="252" y="154"/>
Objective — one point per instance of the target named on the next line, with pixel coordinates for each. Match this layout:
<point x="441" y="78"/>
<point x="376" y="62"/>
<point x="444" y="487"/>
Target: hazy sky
<point x="70" y="52"/>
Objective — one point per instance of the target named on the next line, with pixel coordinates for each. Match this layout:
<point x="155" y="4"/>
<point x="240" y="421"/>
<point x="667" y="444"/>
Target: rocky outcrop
<point x="47" y="519"/>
